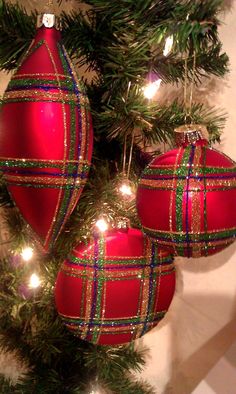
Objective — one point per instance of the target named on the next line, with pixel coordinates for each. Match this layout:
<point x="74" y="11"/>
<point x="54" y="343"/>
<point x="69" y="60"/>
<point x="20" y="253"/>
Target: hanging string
<point x="186" y="87"/>
<point x="124" y="155"/>
<point x="188" y="97"/>
<point x="192" y="83"/>
<point x="49" y="7"/>
<point x="130" y="154"/>
<point x="125" y="142"/>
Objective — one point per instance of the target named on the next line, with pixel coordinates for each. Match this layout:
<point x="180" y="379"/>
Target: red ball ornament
<point x="116" y="288"/>
<point x="45" y="136"/>
<point x="186" y="198"/>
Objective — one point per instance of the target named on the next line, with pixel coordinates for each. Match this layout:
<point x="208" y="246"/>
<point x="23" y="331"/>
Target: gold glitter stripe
<point x="173" y="197"/>
<point x="19" y="76"/>
<point x="128" y="274"/>
<point x="103" y="308"/>
<point x="109" y="320"/>
<point x="83" y="111"/>
<point x="158" y="285"/>
<point x="50" y="231"/>
<point x="201" y="243"/>
<point x="194" y="183"/>
<point x="57" y="96"/>
<point x="24" y="57"/>
<point x="44" y="180"/>
<point x="111" y="329"/>
<point x="170" y="167"/>
<point x="88" y="306"/>
<point x="195" y="201"/>
<point x="190" y="232"/>
<point x="144" y="289"/>
<point x="115" y="258"/>
<point x="88" y="298"/>
<point x="38" y="161"/>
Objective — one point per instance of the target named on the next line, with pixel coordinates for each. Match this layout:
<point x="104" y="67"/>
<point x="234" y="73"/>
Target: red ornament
<point x="45" y="136"/>
<point x="116" y="288"/>
<point x="186" y="197"/>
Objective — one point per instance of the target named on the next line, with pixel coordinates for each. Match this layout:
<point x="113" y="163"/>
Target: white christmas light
<point x="126" y="190"/>
<point x="168" y="45"/>
<point x="151" y="88"/>
<point x="27" y="254"/>
<point x="34" y="281"/>
<point x="102" y="225"/>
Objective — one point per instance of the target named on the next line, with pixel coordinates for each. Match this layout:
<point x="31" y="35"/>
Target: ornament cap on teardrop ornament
<point x="49" y="20"/>
<point x="191" y="134"/>
<point x="45" y="135"/>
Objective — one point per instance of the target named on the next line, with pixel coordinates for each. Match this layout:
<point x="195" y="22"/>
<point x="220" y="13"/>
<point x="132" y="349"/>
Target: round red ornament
<point x="186" y="198"/>
<point x="116" y="288"/>
<point x="45" y="136"/>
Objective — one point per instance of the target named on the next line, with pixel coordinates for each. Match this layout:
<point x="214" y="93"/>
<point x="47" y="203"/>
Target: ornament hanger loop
<point x="188" y="96"/>
<point x="125" y="145"/>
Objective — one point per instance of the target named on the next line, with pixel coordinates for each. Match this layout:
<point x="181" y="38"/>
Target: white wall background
<point x="193" y="350"/>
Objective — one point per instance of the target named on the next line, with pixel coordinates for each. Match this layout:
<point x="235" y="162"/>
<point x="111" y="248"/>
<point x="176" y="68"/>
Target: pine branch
<point x="171" y="69"/>
<point x="16" y="32"/>
<point x="155" y="123"/>
<point x="5" y="199"/>
<point x="6" y="386"/>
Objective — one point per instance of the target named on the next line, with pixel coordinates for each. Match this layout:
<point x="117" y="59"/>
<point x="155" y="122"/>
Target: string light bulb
<point x="126" y="190"/>
<point x="151" y="88"/>
<point x="34" y="282"/>
<point x="168" y="45"/>
<point x="27" y="253"/>
<point x="102" y="225"/>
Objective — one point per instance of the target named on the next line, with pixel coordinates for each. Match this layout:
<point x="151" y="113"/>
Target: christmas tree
<point x="129" y="50"/>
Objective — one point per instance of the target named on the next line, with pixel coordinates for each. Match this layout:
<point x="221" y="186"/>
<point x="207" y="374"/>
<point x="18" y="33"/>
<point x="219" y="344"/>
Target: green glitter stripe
<point x="132" y="261"/>
<point x="44" y="100"/>
<point x="19" y="163"/>
<point x="100" y="262"/>
<point x="67" y="198"/>
<point x="207" y="170"/>
<point x="201" y="170"/>
<point x="205" y="197"/>
<point x="61" y="215"/>
<point x="26" y="82"/>
<point x="64" y="63"/>
<point x="110" y="321"/>
<point x="154" y="292"/>
<point x="84" y="275"/>
<point x="65" y="67"/>
<point x="141" y="287"/>
<point x="77" y="331"/>
<point x="73" y="147"/>
<point x="181" y="237"/>
<point x="182" y="170"/>
<point x="64" y="207"/>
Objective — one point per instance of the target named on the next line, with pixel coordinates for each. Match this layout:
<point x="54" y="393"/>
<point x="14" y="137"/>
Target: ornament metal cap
<point x="190" y="134"/>
<point x="122" y="224"/>
<point x="49" y="20"/>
